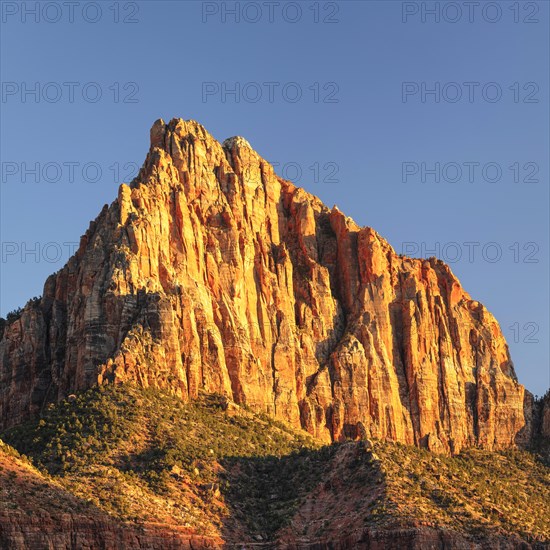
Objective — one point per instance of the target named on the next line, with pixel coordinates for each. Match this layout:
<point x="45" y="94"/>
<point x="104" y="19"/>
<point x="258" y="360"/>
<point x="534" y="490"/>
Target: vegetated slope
<point x="41" y="512"/>
<point x="492" y="499"/>
<point x="144" y="456"/>
<point x="226" y="475"/>
<point x="211" y="273"/>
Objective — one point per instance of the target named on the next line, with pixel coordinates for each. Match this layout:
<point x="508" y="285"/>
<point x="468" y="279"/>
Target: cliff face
<point x="210" y="272"/>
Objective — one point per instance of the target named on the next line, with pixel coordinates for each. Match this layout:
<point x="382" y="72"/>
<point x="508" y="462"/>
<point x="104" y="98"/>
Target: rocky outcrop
<point x="540" y="421"/>
<point x="20" y="531"/>
<point x="421" y="538"/>
<point x="544" y="425"/>
<point x="209" y="272"/>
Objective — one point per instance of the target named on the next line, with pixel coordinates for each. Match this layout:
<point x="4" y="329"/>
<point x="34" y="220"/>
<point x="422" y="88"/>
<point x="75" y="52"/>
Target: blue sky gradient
<point x="348" y="135"/>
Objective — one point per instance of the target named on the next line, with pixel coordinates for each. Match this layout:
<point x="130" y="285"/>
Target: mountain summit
<point x="211" y="273"/>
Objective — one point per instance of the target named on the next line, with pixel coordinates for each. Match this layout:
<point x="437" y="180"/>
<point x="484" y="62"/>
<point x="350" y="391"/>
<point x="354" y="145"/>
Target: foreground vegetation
<point x="475" y="492"/>
<point x="144" y="456"/>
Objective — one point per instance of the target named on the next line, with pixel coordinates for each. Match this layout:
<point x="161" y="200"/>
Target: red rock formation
<point x="420" y="538"/>
<point x="21" y="531"/>
<point x="210" y="272"/>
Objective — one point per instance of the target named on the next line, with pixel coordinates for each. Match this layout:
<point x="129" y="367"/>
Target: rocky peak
<point x="236" y="142"/>
<point x="209" y="272"/>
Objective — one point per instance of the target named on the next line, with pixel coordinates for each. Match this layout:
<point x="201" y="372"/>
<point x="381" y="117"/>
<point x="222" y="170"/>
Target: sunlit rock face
<point x="209" y="272"/>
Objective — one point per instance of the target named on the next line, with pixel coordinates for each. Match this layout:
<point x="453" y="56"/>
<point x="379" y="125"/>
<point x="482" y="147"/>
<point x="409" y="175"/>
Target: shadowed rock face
<point x="209" y="272"/>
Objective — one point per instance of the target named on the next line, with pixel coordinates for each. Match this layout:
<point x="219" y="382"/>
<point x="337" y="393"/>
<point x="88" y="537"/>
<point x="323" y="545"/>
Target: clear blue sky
<point x="352" y="116"/>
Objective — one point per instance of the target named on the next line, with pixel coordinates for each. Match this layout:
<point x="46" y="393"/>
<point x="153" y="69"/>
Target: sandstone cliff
<point x="210" y="272"/>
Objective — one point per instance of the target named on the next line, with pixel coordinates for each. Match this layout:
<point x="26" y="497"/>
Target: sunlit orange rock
<point x="209" y="272"/>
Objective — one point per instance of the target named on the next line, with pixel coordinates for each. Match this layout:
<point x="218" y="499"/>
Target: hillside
<point x="39" y="512"/>
<point x="141" y="461"/>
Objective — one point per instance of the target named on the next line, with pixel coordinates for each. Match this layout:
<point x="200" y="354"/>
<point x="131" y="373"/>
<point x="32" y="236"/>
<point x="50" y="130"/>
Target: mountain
<point x="209" y="272"/>
<point x="226" y="362"/>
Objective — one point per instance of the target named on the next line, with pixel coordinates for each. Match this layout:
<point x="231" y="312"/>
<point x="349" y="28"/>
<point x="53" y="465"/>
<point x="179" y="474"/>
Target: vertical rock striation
<point x="209" y="272"/>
